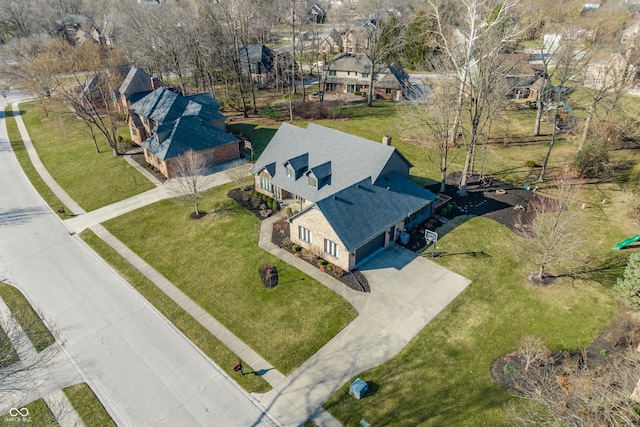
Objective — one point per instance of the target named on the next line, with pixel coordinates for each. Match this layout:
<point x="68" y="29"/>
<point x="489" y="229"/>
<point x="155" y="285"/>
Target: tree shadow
<point x="605" y="272"/>
<point x="19" y="216"/>
<point x="259" y="136"/>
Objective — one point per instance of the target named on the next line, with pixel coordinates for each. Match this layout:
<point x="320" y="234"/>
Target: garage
<point x="369" y="248"/>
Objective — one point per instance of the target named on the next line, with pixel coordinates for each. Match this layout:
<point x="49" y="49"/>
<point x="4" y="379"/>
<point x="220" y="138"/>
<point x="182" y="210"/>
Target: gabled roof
<point x="163" y="106"/>
<point x="352" y="158"/>
<point x="360" y="212"/>
<point x="359" y="62"/>
<point x="186" y="133"/>
<point x="136" y="81"/>
<point x="258" y="54"/>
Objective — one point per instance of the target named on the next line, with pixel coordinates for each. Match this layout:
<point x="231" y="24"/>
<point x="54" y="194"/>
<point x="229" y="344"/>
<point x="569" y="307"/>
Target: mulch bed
<point x="251" y="202"/>
<point x="622" y="334"/>
<point x="354" y="279"/>
<point x="139" y="158"/>
<point x="494" y="199"/>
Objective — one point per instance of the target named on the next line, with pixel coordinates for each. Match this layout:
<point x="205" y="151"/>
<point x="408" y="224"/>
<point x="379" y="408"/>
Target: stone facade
<point x="314" y="221"/>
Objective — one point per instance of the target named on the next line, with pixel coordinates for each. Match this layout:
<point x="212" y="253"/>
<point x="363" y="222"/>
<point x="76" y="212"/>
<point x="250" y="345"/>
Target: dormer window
<point x="313" y="182"/>
<point x="290" y="172"/>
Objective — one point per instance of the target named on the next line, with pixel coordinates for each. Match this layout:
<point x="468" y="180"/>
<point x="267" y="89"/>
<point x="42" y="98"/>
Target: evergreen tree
<point x="627" y="289"/>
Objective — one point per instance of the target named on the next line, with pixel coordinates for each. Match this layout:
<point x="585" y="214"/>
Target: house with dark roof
<point x="353" y="196"/>
<point x="351" y="72"/>
<point x="137" y="84"/>
<point x="166" y="125"/>
<point x="262" y="64"/>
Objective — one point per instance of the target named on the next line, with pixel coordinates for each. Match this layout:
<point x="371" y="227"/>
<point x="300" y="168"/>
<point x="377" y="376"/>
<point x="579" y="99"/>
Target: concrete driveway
<point x="407" y="292"/>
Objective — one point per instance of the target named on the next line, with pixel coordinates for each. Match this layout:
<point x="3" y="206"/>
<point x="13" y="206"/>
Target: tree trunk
<point x="539" y="97"/>
<point x="543" y="171"/>
<point x="462" y="190"/>
<point x="587" y="124"/>
<point x="458" y="113"/>
<point x="370" y="94"/>
<point x="196" y="207"/>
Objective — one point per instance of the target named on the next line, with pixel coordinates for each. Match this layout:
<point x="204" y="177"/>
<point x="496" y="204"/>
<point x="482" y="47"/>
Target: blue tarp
<point x="358" y="388"/>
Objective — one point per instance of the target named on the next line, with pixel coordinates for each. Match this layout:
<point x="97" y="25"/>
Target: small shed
<point x="358" y="388"/>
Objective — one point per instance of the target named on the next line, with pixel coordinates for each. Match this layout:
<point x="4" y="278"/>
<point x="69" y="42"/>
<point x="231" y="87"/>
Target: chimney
<point x="155" y="83"/>
<point x="386" y="140"/>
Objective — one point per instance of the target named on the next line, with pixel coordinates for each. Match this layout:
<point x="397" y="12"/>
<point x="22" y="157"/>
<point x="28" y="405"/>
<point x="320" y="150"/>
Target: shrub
<point x="289" y="212"/>
<point x="268" y="275"/>
<point x="270" y="112"/>
<point x="275" y="205"/>
<point x="509" y="369"/>
<point x="530" y="163"/>
<point x="338" y="271"/>
<point x="627" y="289"/>
<point x="286" y="242"/>
<point x="330" y="266"/>
<point x="320" y="262"/>
<point x="592" y="160"/>
<point x="295" y="247"/>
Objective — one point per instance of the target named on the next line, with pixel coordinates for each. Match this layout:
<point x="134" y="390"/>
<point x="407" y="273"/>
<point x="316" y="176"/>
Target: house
<point x="166" y="125"/>
<point x="631" y="35"/>
<point x="549" y="91"/>
<point x="330" y="44"/>
<point x="136" y="85"/>
<point x="608" y="71"/>
<point x="263" y="65"/>
<point x="352" y="196"/>
<point x="350" y="73"/>
<point x="520" y="75"/>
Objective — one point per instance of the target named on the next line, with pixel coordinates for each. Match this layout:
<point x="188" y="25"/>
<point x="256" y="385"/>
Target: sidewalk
<point x="47" y="373"/>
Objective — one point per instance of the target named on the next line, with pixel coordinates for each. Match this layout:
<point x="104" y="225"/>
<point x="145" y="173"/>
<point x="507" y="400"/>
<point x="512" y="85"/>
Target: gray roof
<point x="359" y="62"/>
<point x="260" y="58"/>
<point x="170" y="140"/>
<point x="346" y="158"/>
<point x="362" y="211"/>
<point x="163" y="106"/>
<point x="136" y="81"/>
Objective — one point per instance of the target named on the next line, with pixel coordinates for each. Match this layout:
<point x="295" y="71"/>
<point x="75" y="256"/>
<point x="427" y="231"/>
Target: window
<point x="330" y="87"/>
<point x="290" y="172"/>
<point x="330" y="248"/>
<point x="265" y="184"/>
<point x="365" y="74"/>
<point x="388" y="91"/>
<point x="313" y="182"/>
<point x="348" y="73"/>
<point x="304" y="234"/>
<point x="332" y="72"/>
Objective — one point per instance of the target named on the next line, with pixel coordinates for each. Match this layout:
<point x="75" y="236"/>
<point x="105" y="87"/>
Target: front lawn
<point x="442" y="377"/>
<point x="92" y="179"/>
<point x="215" y="260"/>
<point x="89" y="408"/>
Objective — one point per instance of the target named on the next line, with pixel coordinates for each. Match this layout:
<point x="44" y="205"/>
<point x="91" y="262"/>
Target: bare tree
<point x="554" y="224"/>
<point x="578" y="392"/>
<point x="19" y="359"/>
<point x="189" y="180"/>
<point x="473" y="35"/>
<point x="431" y="118"/>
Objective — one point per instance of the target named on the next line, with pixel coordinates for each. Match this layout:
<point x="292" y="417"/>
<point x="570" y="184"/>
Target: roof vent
<point x="388" y="188"/>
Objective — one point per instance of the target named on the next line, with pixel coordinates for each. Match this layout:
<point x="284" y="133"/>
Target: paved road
<point x="139" y="366"/>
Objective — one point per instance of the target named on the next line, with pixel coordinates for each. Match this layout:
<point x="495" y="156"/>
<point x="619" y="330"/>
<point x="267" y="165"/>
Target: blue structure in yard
<point x="358" y="388"/>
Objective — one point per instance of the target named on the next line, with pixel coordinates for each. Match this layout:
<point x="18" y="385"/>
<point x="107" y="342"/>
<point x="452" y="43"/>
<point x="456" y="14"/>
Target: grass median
<point x="216" y="260"/>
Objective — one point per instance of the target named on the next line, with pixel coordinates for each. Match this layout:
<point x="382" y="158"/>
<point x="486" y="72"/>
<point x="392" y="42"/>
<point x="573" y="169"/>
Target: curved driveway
<point x="141" y="368"/>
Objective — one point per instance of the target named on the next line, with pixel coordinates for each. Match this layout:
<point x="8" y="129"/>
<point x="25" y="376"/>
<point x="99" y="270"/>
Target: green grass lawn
<point x="25" y="163"/>
<point x="92" y="179"/>
<point x="215" y="260"/>
<point x="88" y="406"/>
<point x="193" y="330"/>
<point x="34" y="328"/>
<point x="442" y="377"/>
<point x="39" y="415"/>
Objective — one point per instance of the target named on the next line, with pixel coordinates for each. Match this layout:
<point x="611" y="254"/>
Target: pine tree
<point x="627" y="290"/>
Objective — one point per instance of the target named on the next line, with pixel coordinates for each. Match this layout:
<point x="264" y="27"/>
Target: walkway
<point x="46" y="374"/>
<point x="407" y="292"/>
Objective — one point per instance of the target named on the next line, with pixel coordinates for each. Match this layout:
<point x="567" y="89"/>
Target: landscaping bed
<point x="280" y="236"/>
<point x="259" y="204"/>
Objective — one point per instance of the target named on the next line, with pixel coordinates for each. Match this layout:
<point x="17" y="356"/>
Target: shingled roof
<point x="136" y="81"/>
<point x="336" y="158"/>
<point x="186" y="133"/>
<point x="164" y="105"/>
<point x="360" y="212"/>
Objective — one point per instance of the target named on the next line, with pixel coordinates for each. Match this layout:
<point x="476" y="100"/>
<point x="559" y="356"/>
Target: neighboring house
<point x="549" y="91"/>
<point x="331" y="44"/>
<point x="167" y="125"/>
<point x="520" y="75"/>
<point x="631" y="36"/>
<point x="350" y="73"/>
<point x="263" y="65"/>
<point x="136" y="85"/>
<point x="608" y="71"/>
<point x="354" y="196"/>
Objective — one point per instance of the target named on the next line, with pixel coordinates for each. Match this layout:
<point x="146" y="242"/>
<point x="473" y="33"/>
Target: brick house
<point x="137" y="84"/>
<point x="350" y="73"/>
<point x="166" y="125"/>
<point x="352" y="196"/>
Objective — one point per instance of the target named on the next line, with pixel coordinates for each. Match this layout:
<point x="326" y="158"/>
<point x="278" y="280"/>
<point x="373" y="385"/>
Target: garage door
<point x="370" y="248"/>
